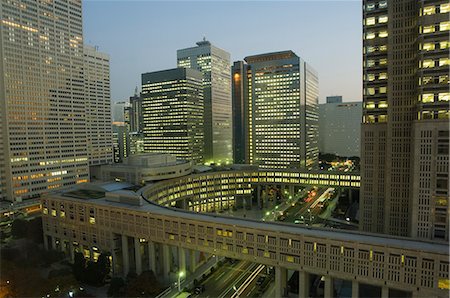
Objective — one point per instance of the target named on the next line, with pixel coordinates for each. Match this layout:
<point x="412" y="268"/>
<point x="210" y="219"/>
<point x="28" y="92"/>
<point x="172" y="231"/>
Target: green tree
<point x="79" y="266"/>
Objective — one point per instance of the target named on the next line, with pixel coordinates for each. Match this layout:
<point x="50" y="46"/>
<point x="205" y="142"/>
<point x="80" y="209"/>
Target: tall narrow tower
<point x="214" y="64"/>
<point x="405" y="185"/>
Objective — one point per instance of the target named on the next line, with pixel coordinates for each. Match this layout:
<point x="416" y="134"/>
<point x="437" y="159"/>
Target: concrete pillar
<point x="71" y="252"/>
<point x="258" y="196"/>
<point x="166" y="262"/>
<point x="45" y="242"/>
<point x="384" y="292"/>
<point x="125" y="256"/>
<point x="192" y="260"/>
<point x="355" y="289"/>
<point x="151" y="256"/>
<point x="303" y="283"/>
<point x="138" y="255"/>
<point x="280" y="282"/>
<point x="328" y="291"/>
<point x="181" y="260"/>
<point x="53" y="242"/>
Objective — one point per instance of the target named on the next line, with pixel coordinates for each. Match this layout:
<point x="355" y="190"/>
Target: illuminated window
<point x="370" y="105"/>
<point x="429" y="10"/>
<point x="53" y="212"/>
<point x="92" y="220"/>
<point x="383" y="34"/>
<point x="444" y="44"/>
<point x="370" y="63"/>
<point x="382" y="105"/>
<point x="382" y="118"/>
<point x="382" y="76"/>
<point x="428" y="97"/>
<point x="428" y="29"/>
<point x="370" y="77"/>
<point x="370" y="6"/>
<point x="45" y="211"/>
<point x="445" y="7"/>
<point x="382" y="19"/>
<point x="426" y="80"/>
<point x="370" y="119"/>
<point x="382" y="4"/>
<point x="444" y="61"/>
<point x="370" y="21"/>
<point x="382" y="48"/>
<point x="383" y="61"/>
<point x="427" y="63"/>
<point x="370" y="91"/>
<point x="428" y="46"/>
<point x="444" y="26"/>
<point x="443" y="115"/>
<point x="444" y="96"/>
<point x="62" y="214"/>
<point x="370" y="35"/>
<point x="383" y="90"/>
<point x="443" y="79"/>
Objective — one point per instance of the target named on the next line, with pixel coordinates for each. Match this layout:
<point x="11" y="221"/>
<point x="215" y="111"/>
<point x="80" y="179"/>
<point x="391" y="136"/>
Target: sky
<point x="143" y="36"/>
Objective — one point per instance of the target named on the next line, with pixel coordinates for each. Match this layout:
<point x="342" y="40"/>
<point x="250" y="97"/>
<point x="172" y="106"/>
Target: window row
<point x="433" y="97"/>
<point x="380" y="34"/>
<point x="442" y="26"/>
<point x="431" y="80"/>
<point x="445" y="44"/>
<point x="433" y="9"/>
<point x="375" y="90"/>
<point x="430" y="63"/>
<point x="372" y="6"/>
<point x="374" y="20"/>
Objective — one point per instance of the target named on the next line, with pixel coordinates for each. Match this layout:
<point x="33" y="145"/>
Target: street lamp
<point x="309" y="211"/>
<point x="180" y="275"/>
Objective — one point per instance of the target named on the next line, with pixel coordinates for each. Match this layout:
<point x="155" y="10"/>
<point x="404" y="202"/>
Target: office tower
<point x="118" y="111"/>
<point x="214" y="64"/>
<point x="334" y="99"/>
<point x="135" y="112"/>
<point x="98" y="106"/>
<point x="121" y="141"/>
<point x="136" y="142"/>
<point x="275" y="105"/>
<point x="42" y="101"/>
<point x="172" y="103"/>
<point x="405" y="133"/>
<point x="340" y="127"/>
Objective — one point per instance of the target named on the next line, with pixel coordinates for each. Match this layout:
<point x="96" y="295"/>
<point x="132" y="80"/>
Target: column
<point x="280" y="282"/>
<point x="53" y="242"/>
<point x="303" y="283"/>
<point x="71" y="252"/>
<point x="181" y="260"/>
<point x="193" y="261"/>
<point x="258" y="195"/>
<point x="45" y="242"/>
<point x="152" y="257"/>
<point x="328" y="292"/>
<point x="138" y="255"/>
<point x="166" y="262"/>
<point x="355" y="289"/>
<point x="384" y="292"/>
<point x="125" y="256"/>
<point x="265" y="198"/>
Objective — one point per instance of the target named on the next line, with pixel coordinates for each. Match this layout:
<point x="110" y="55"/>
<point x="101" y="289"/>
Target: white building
<point x="340" y="128"/>
<point x="43" y="140"/>
<point x="98" y="106"/>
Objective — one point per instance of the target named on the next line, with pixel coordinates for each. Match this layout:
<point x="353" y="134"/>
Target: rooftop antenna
<point x="136" y="91"/>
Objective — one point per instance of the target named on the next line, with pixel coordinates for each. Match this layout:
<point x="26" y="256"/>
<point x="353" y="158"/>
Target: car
<point x="300" y="220"/>
<point x="200" y="289"/>
<point x="260" y="280"/>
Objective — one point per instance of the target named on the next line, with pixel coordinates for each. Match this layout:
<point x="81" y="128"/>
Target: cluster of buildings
<point x="55" y="113"/>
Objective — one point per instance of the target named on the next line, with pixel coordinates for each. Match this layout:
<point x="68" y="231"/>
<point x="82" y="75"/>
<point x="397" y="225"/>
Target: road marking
<point x="220" y="275"/>
<point x="251" y="290"/>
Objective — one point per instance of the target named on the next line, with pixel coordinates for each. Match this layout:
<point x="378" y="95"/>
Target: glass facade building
<point x="172" y="104"/>
<point x="275" y="106"/>
<point x="214" y="64"/>
<point x="405" y="132"/>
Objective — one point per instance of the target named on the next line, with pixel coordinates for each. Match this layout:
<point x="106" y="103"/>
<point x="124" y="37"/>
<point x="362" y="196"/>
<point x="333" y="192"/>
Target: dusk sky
<point x="143" y="36"/>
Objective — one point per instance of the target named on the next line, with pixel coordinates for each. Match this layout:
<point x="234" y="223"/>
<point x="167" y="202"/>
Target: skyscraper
<point x="214" y="64"/>
<point x="42" y="101"/>
<point x="172" y="103"/>
<point x="275" y="106"/>
<point x="405" y="132"/>
<point x="98" y="106"/>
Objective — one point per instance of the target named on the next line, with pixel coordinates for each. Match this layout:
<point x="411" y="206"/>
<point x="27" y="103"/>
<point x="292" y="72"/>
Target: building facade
<point x="275" y="105"/>
<point x="121" y="141"/>
<point x="214" y="64"/>
<point x="42" y="102"/>
<point x="340" y="128"/>
<point x="98" y="106"/>
<point x="405" y="164"/>
<point x="172" y="103"/>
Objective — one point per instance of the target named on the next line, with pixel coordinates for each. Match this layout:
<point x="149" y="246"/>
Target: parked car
<point x="200" y="289"/>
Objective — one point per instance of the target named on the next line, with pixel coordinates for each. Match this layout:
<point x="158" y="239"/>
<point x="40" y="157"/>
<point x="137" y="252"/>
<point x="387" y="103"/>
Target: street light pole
<point x="180" y="275"/>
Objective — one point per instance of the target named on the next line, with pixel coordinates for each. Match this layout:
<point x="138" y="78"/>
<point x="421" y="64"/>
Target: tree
<point x="19" y="228"/>
<point x="145" y="284"/>
<point x="79" y="266"/>
<point x="104" y="265"/>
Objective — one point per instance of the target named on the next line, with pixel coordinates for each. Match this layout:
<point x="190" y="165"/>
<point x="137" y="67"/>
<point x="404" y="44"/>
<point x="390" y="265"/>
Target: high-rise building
<point x="135" y="116"/>
<point x="98" y="106"/>
<point x="405" y="130"/>
<point x="214" y="64"/>
<point x="172" y="103"/>
<point x="118" y="110"/>
<point x="121" y="141"/>
<point x="275" y="106"/>
<point x="340" y="128"/>
<point x="42" y="101"/>
<point x="334" y="99"/>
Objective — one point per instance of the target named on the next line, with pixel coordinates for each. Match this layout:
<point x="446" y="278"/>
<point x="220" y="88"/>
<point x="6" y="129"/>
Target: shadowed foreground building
<point x="172" y="104"/>
<point x="275" y="111"/>
<point x="405" y="130"/>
